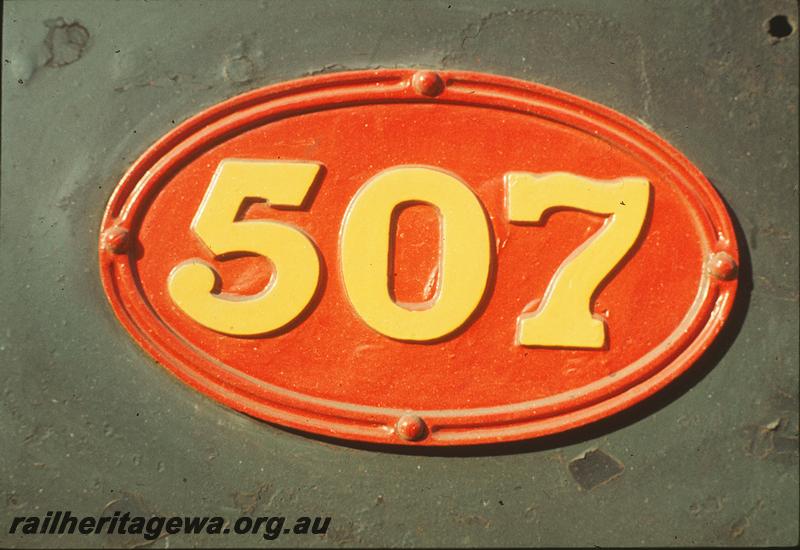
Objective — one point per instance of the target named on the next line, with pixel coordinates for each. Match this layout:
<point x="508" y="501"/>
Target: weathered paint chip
<point x="65" y="42"/>
<point x="593" y="468"/>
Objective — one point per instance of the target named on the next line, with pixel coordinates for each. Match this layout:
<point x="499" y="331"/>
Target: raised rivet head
<point x="116" y="239"/>
<point x="411" y="428"/>
<point x="723" y="266"/>
<point x="427" y="83"/>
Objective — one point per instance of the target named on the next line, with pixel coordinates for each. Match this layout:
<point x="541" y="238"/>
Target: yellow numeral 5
<point x="291" y="251"/>
<point x="564" y="317"/>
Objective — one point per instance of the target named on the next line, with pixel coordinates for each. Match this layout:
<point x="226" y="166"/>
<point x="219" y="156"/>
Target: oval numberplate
<point x="419" y="258"/>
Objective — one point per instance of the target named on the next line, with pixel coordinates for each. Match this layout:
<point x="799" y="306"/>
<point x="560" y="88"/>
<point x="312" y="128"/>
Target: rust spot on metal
<point x="247" y="502"/>
<point x="239" y="70"/>
<point x="134" y="505"/>
<point x="739" y="526"/>
<point x="775" y="437"/>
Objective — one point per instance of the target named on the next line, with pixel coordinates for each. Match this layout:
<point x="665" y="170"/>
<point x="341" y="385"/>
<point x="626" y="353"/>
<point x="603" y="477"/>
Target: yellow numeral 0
<point x="464" y="257"/>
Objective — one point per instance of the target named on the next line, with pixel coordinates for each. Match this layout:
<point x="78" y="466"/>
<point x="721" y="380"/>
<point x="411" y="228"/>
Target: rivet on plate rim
<point x="411" y="428"/>
<point x="116" y="239"/>
<point x="427" y="83"/>
<point x="722" y="266"/>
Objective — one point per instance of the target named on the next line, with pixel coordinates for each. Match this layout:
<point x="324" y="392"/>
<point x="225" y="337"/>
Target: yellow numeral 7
<point x="564" y="317"/>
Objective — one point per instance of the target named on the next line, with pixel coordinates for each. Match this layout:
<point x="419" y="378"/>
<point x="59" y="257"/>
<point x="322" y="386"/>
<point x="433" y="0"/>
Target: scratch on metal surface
<point x="430" y="284"/>
<point x="474" y="29"/>
<point x="643" y="78"/>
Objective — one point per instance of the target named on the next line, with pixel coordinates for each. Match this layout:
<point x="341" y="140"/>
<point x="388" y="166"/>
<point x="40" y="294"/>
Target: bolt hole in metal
<point x="779" y="26"/>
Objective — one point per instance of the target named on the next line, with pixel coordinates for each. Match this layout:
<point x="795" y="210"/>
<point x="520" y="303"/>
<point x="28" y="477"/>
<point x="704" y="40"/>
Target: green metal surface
<point x="88" y="420"/>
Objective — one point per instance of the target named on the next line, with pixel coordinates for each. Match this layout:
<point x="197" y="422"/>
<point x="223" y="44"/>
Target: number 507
<point x="563" y="318"/>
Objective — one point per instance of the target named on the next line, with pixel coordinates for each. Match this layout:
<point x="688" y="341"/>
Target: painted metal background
<point x="89" y="422"/>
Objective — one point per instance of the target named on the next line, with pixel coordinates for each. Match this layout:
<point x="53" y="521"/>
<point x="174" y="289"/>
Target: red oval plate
<point x="327" y="370"/>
